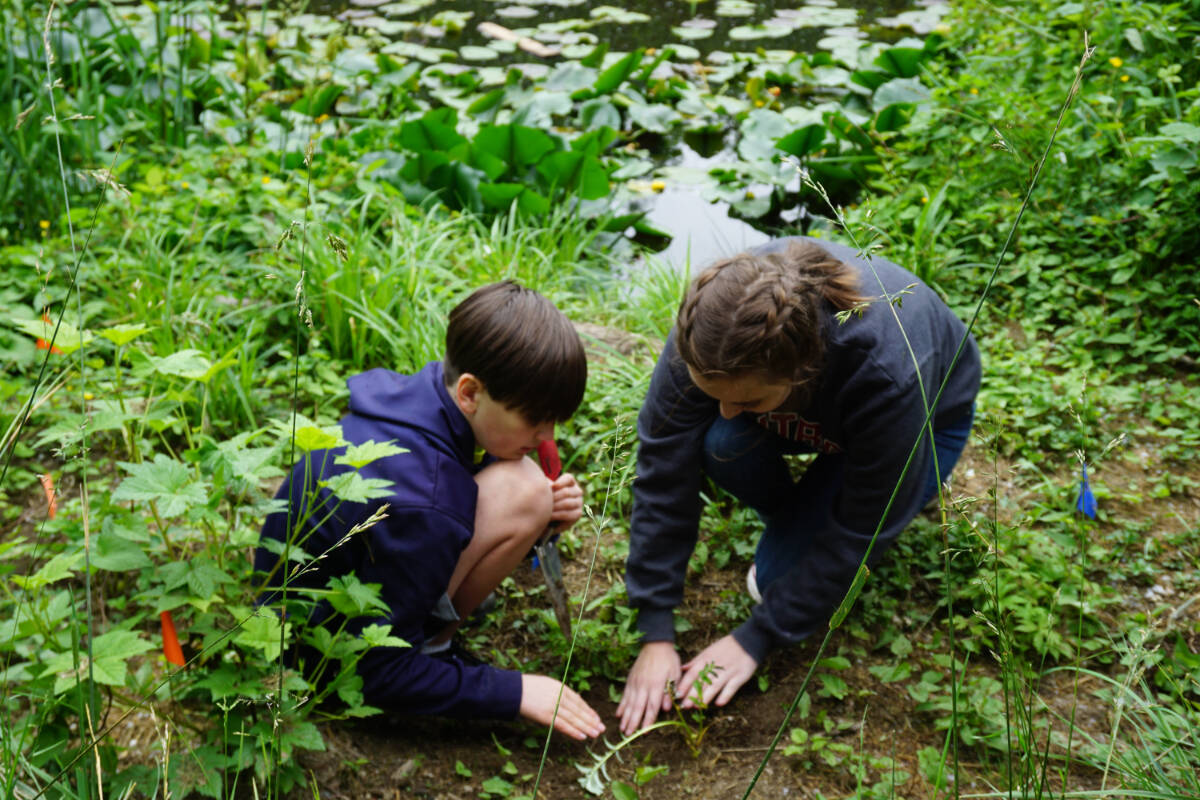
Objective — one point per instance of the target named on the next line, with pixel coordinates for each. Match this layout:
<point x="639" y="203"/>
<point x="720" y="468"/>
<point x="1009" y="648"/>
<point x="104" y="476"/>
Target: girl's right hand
<point x="575" y="718"/>
<point x="647" y="689"/>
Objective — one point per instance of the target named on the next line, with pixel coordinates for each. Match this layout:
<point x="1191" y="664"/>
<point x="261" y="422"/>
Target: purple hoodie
<point x="411" y="553"/>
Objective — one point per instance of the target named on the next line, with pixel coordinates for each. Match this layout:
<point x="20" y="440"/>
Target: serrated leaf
<point x="165" y="482"/>
<point x="261" y="632"/>
<point x="354" y="488"/>
<point x="121" y="335"/>
<point x="183" y="364"/>
<point x="69" y="338"/>
<point x="310" y="438"/>
<point x="56" y="569"/>
<point x="115" y="553"/>
<point x="359" y="455"/>
<point x="353" y="598"/>
<point x="381" y="636"/>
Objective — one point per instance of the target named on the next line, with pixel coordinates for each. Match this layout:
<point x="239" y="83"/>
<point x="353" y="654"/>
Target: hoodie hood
<point x="385" y="401"/>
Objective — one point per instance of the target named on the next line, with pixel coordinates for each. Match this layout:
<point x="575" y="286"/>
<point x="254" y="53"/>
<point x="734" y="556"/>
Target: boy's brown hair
<point x="524" y="350"/>
<point x="764" y="314"/>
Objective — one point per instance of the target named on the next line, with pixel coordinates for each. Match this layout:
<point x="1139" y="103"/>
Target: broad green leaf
<point x="434" y="131"/>
<point x="117" y="554"/>
<point x="310" y="438"/>
<point x="261" y="632"/>
<point x="110" y="652"/>
<point x="623" y="791"/>
<point x="203" y="579"/>
<point x="121" y="335"/>
<point x="903" y="62"/>
<point x="354" y="488"/>
<point x="69" y="338"/>
<point x="1181" y="130"/>
<point x="56" y="569"/>
<point x="899" y="90"/>
<point x="517" y="146"/>
<point x="359" y="455"/>
<point x="353" y="598"/>
<point x="165" y="482"/>
<point x="304" y="735"/>
<point x="499" y="196"/>
<point x="653" y="116"/>
<point x="183" y="364"/>
<point x="381" y="636"/>
<point x="802" y="142"/>
<point x="616" y="74"/>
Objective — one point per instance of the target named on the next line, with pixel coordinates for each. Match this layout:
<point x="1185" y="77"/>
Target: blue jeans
<point x="746" y="460"/>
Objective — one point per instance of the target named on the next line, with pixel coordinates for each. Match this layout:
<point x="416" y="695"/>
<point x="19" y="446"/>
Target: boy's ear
<point x="466" y="393"/>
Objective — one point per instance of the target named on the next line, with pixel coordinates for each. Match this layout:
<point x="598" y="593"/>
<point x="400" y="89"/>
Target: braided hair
<point x="764" y="314"/>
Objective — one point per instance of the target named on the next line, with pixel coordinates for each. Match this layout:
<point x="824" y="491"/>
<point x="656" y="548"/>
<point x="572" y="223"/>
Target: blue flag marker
<point x="1086" y="503"/>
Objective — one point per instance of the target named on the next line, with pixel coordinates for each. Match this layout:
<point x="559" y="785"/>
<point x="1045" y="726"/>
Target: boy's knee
<point x="518" y="492"/>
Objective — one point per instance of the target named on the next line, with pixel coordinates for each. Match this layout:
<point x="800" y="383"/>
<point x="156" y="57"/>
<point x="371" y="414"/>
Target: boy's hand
<point x="568" y="501"/>
<point x="576" y="719"/>
<point x="733" y="666"/>
<point x="646" y="688"/>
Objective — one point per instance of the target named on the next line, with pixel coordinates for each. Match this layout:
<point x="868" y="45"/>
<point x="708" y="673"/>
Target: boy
<point x="465" y="507"/>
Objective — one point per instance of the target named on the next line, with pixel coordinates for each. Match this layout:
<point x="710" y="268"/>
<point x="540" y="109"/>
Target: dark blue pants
<point x="746" y="460"/>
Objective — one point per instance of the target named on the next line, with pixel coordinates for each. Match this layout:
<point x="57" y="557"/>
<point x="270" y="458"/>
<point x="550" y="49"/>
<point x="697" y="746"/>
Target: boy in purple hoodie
<point x="465" y="505"/>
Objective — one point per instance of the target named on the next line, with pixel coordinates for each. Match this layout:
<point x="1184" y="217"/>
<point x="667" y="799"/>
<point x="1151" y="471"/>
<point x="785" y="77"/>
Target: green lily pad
<point x="405" y="7"/>
<point x="430" y="55"/>
<point x="384" y="26"/>
<point x="516" y="12"/>
<point x="818" y="16"/>
<point x="691" y="34"/>
<point x="368" y="3"/>
<point x="735" y="8"/>
<point x="475" y="53"/>
<point x="618" y="15"/>
<point x="653" y="117"/>
<point x="684" y="52"/>
<point x="744" y="32"/>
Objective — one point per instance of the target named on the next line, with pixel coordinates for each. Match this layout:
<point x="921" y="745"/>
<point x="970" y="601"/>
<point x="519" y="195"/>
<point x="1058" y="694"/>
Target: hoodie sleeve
<point x="666" y="493"/>
<point x="412" y="554"/>
<point x="884" y="422"/>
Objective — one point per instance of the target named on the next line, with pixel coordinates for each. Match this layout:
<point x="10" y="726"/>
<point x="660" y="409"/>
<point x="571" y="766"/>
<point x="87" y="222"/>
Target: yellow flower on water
<point x="974" y="90"/>
<point x="89" y="396"/>
<point x="657" y="186"/>
<point x="749" y="195"/>
<point x="1124" y="78"/>
<point x="924" y="199"/>
<point x="1116" y="62"/>
<point x="183" y="184"/>
<point x="266" y="179"/>
<point x="322" y="118"/>
<point x="758" y="103"/>
<point x="44" y="224"/>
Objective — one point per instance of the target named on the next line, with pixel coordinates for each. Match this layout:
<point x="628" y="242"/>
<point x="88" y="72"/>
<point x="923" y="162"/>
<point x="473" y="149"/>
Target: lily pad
<point x="619" y="15"/>
<point x="691" y="34"/>
<point x="368" y="3"/>
<point x="735" y="8"/>
<point x="384" y="26"/>
<point x="744" y="32"/>
<point x="430" y="55"/>
<point x="405" y="7"/>
<point x="684" y="52"/>
<point x="516" y="12"/>
<point x="475" y="53"/>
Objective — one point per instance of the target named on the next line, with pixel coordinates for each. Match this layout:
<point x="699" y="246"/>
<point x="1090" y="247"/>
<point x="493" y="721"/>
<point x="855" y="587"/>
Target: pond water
<point x="475" y="34"/>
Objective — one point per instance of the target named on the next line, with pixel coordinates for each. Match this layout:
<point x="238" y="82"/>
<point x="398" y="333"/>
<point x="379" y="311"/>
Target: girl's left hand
<point x="568" y="501"/>
<point x="733" y="667"/>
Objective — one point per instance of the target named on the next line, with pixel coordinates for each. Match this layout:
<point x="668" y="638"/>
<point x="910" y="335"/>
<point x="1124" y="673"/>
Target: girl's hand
<point x="733" y="666"/>
<point x="575" y="718"/>
<point x="568" y="501"/>
<point x="647" y="687"/>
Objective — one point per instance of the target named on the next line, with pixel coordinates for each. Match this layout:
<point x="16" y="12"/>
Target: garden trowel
<point x="546" y="549"/>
